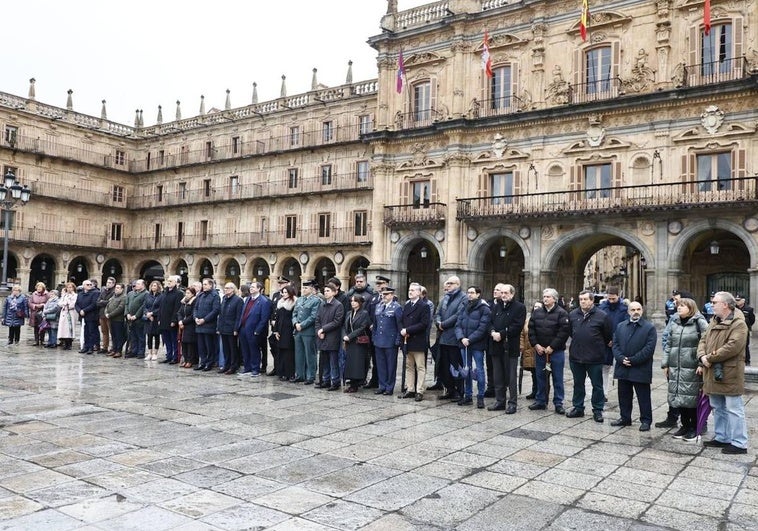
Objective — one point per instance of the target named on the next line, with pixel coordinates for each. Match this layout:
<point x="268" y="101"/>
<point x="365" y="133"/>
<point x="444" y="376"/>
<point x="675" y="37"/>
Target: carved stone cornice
<point x="606" y="20"/>
<point x="424" y="58"/>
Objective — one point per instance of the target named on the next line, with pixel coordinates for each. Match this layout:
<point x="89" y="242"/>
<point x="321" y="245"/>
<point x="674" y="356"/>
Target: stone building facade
<point x="628" y="158"/>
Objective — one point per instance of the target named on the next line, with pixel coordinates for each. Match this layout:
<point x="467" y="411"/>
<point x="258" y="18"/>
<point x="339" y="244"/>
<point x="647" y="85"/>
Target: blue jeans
<point x="52" y="336"/>
<point x="729" y="414"/>
<point x="478" y="368"/>
<point x="580" y="371"/>
<point x="557" y="362"/>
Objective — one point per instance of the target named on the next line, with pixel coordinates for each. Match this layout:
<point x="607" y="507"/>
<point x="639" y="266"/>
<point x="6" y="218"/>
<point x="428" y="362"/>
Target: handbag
<point x="363" y="340"/>
<point x="20" y="313"/>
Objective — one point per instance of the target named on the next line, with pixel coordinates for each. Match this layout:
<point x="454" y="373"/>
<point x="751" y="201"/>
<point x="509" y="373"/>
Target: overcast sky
<point x="141" y="54"/>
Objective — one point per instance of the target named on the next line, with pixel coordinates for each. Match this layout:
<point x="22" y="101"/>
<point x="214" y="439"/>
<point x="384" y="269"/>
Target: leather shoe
<point x="164" y="361"/>
<point x="448" y="396"/>
<point x="407" y="394"/>
<point x="713" y="443"/>
<point x="465" y="401"/>
<point x="645" y="426"/>
<point x="574" y="413"/>
<point x="379" y="392"/>
<point x="207" y="368"/>
<point x="334" y="388"/>
<point x="559" y="410"/>
<point x="371" y="385"/>
<point x="84" y="351"/>
<point x="620" y="423"/>
<point x="173" y="362"/>
<point x="497" y="406"/>
<point x="732" y="449"/>
<point x="535" y="407"/>
<point x="597" y="416"/>
<point x="435" y="387"/>
<point x="510" y="410"/>
<point x="199" y="368"/>
<point x="419" y="397"/>
<point x="530" y="396"/>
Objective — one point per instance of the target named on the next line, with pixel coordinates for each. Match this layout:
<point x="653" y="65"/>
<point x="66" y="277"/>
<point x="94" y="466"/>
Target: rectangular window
<point x="180" y="232"/>
<point x="421" y="194"/>
<point x="157" y="234"/>
<point x="118" y="194"/>
<point x="365" y="125"/>
<point x="292" y="178"/>
<point x="324" y="225"/>
<point x="326" y="174"/>
<point x="182" y="191"/>
<point x="422" y="102"/>
<point x="294" y="136"/>
<point x="159" y="192"/>
<point x="117" y="232"/>
<point x="361" y="170"/>
<point x="291" y="227"/>
<point x="327" y="131"/>
<point x="598" y="70"/>
<point x="206" y="187"/>
<point x="11" y="135"/>
<point x="204" y="230"/>
<point x="716" y="50"/>
<point x="234" y="184"/>
<point x="120" y="157"/>
<point x="162" y="157"/>
<point x="148" y="160"/>
<point x="209" y="149"/>
<point x="185" y="155"/>
<point x="501" y="187"/>
<point x="263" y="226"/>
<point x="360" y="218"/>
<point x="500" y="87"/>
<point x="597" y="181"/>
<point x="714" y="172"/>
<point x="235" y="145"/>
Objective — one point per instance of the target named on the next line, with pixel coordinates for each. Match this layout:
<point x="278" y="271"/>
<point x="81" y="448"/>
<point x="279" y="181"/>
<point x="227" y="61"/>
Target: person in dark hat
<point x="304" y="320"/>
<point x="749" y="313"/>
<point x="387" y="323"/>
<point x="375" y="299"/>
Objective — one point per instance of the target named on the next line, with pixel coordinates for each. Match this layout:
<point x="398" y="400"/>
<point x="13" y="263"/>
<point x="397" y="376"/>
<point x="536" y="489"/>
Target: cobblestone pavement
<point x="88" y="442"/>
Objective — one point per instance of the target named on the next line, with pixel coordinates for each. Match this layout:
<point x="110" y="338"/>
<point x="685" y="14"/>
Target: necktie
<point x="248" y="307"/>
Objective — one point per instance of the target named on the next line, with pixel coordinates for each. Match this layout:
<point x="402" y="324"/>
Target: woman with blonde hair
<point x="37" y="301"/>
<point x="68" y="316"/>
<point x="680" y="364"/>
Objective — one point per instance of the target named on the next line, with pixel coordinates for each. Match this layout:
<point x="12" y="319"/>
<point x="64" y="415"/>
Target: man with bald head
<point x="445" y="320"/>
<point x="633" y="347"/>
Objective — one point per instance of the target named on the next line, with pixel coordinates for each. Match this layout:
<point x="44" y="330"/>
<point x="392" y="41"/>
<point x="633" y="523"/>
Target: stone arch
<point x="553" y="254"/>
<point x="484" y="240"/>
<point x="405" y="245"/>
<point x="676" y="252"/>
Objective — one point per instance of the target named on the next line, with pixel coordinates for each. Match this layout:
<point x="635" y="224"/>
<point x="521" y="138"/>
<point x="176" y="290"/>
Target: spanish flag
<point x="486" y="58"/>
<point x="585" y="19"/>
<point x="707" y="17"/>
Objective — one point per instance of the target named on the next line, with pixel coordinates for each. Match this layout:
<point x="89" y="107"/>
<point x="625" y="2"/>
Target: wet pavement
<point x="89" y="442"/>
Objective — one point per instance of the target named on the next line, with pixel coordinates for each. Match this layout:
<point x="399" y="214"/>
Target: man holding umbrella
<point x="724" y="343"/>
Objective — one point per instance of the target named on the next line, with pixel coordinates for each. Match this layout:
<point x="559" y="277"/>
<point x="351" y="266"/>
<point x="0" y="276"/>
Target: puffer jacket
<point x="550" y="328"/>
<point x="680" y="357"/>
<point x="527" y="350"/>
<point x="473" y="323"/>
<point x="447" y="316"/>
<point x="724" y="342"/>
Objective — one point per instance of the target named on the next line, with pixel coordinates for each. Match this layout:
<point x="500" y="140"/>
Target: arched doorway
<point x="42" y="270"/>
<point x="716" y="260"/>
<point x="152" y="270"/>
<point x="12" y="276"/>
<point x="423" y="268"/>
<point x="112" y="268"/>
<point x="206" y="269"/>
<point x="181" y="269"/>
<point x="503" y="264"/>
<point x="78" y="271"/>
<point x="325" y="269"/>
<point x="291" y="270"/>
<point x="359" y="265"/>
<point x="232" y="272"/>
<point x="262" y="273"/>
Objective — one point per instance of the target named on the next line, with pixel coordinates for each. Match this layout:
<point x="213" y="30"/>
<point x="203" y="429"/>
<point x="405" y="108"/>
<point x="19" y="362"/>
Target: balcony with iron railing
<point x="496" y="107"/>
<point x="72" y="193"/>
<point x="417" y="119"/>
<point x="710" y="73"/>
<point x="269" y="238"/>
<point x="57" y="238"/>
<point x="725" y="193"/>
<point x="603" y="89"/>
<point x="415" y="215"/>
<point x="280" y="188"/>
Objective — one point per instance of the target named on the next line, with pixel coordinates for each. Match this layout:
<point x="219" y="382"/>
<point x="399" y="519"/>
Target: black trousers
<point x="232" y="358"/>
<point x="504" y="369"/>
<point x="627" y="390"/>
<point x="490" y="376"/>
<point x="448" y="353"/>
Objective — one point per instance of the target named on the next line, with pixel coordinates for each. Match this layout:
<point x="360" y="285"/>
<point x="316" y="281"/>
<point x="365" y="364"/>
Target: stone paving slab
<point x="174" y="449"/>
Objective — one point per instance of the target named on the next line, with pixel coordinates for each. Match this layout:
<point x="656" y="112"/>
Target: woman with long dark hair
<point x="356" y="339"/>
<point x="283" y="332"/>
<point x="187" y="327"/>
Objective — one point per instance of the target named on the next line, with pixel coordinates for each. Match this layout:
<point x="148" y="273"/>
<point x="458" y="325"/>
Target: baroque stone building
<point x="626" y="158"/>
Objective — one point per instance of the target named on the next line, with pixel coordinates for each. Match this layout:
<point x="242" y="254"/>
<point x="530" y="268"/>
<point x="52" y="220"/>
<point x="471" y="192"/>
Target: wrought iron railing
<point x="496" y="107"/>
<point x="602" y="89"/>
<point x="419" y="118"/>
<point x="415" y="214"/>
<point x="709" y="73"/>
<point x="640" y="198"/>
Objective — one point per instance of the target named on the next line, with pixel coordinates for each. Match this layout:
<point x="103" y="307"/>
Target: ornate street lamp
<point x="11" y="193"/>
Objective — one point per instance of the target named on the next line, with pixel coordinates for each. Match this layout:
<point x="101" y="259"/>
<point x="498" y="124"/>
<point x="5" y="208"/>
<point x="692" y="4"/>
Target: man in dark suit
<point x="508" y="317"/>
<point x="415" y="334"/>
<point x="252" y="328"/>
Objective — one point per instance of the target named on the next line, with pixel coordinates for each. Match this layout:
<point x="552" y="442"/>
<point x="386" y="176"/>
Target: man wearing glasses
<point x="724" y="343"/>
<point x="86" y="307"/>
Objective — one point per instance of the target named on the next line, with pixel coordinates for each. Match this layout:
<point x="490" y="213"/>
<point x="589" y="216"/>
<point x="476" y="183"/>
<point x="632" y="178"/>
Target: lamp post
<point x="11" y="192"/>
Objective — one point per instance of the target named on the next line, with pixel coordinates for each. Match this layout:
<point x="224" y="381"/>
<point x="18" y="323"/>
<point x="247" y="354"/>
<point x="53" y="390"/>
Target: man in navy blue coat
<point x="226" y="327"/>
<point x="415" y="333"/>
<point x="86" y="307"/>
<point x="388" y="321"/>
<point x="253" y="325"/>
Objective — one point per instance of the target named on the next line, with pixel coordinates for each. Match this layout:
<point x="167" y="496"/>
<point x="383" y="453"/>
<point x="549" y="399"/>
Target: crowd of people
<point x="350" y="340"/>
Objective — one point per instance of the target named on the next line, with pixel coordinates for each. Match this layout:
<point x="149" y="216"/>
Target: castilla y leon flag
<point x="486" y="58"/>
<point x="584" y="20"/>
<point x="400" y="73"/>
<point x="707" y="17"/>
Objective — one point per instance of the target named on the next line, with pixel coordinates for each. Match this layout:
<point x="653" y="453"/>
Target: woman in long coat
<point x="680" y="364"/>
<point x="528" y="362"/>
<point x="355" y="336"/>
<point x="150" y="314"/>
<point x="68" y="317"/>
<point x="283" y="332"/>
<point x="51" y="313"/>
<point x="15" y="313"/>
<point x="187" y="327"/>
<point x="37" y="301"/>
